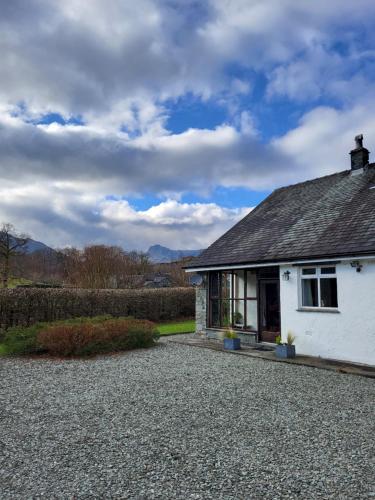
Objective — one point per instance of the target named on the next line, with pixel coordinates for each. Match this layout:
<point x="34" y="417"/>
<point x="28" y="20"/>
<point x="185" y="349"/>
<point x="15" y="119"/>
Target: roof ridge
<point x="369" y="166"/>
<point x="308" y="181"/>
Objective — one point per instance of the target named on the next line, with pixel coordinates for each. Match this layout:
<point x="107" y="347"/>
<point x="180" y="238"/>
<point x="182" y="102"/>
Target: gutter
<point x="315" y="260"/>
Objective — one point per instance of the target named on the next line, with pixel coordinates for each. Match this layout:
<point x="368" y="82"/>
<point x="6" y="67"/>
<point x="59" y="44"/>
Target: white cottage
<point x="302" y="261"/>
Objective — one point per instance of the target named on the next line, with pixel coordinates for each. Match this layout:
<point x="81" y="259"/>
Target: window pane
<point x="310" y="292"/>
<point x="328" y="292"/>
<point x="226" y="285"/>
<point x="328" y="270"/>
<point x="252" y="314"/>
<point x="308" y="271"/>
<point x="226" y="313"/>
<point x="239" y="284"/>
<point x="239" y="313"/>
<point x="251" y="284"/>
<point x="214" y="285"/>
<point x="215" y="313"/>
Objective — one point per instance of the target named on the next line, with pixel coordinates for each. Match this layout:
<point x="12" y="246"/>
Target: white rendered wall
<point x="348" y="335"/>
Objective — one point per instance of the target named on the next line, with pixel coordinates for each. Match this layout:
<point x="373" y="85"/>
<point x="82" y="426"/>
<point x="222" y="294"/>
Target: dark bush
<point x="26" y="307"/>
<point x="82" y="336"/>
<point x="94" y="338"/>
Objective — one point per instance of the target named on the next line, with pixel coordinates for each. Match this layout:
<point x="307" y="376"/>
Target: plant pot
<point x="285" y="351"/>
<point x="232" y="344"/>
<point x="238" y="325"/>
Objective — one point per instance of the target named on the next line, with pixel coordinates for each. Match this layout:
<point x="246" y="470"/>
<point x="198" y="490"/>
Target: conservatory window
<point x="233" y="300"/>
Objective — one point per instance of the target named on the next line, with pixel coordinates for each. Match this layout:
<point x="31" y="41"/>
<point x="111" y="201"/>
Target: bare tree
<point x="11" y="245"/>
<point x="100" y="266"/>
<point x="134" y="268"/>
<point x="40" y="266"/>
<point x="96" y="266"/>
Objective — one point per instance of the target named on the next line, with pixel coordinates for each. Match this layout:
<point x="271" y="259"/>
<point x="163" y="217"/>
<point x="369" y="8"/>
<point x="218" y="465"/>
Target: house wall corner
<point x="347" y="335"/>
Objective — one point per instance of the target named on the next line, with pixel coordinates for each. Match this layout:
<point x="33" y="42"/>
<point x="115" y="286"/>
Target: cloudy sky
<point x="165" y="121"/>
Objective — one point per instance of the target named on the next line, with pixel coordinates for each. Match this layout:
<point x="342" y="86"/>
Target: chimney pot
<point x="359" y="155"/>
<point x="358" y="141"/>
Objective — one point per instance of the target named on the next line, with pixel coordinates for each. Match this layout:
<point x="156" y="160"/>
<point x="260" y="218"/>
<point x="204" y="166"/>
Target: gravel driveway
<point x="182" y="422"/>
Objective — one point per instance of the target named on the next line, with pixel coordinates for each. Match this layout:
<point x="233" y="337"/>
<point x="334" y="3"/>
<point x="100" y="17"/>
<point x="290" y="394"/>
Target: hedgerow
<point x="25" y="307"/>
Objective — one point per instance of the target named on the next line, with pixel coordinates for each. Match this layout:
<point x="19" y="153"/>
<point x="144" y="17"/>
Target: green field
<point x="177" y="327"/>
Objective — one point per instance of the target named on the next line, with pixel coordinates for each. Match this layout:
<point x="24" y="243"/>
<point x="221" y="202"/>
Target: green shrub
<point x="20" y="340"/>
<point x="230" y="334"/>
<point x="238" y="318"/>
<point x="81" y="336"/>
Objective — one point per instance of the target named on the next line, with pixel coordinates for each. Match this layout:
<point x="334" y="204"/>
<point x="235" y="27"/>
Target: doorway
<point x="269" y="310"/>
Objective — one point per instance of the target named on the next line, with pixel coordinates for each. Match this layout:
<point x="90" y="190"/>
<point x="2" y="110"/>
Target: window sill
<point x="318" y="310"/>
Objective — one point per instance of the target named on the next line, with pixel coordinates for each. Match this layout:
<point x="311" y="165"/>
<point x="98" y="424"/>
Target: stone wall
<point x="201" y="307"/>
<point x="248" y="338"/>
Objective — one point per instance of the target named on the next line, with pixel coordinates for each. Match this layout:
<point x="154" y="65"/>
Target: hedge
<point x="25" y="307"/>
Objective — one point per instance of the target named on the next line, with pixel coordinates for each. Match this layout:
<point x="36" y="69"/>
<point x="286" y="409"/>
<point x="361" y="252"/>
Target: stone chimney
<point x="359" y="155"/>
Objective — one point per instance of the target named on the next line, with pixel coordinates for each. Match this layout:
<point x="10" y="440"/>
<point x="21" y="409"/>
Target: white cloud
<point x="115" y="65"/>
<point x="60" y="216"/>
<point x="56" y="190"/>
<point x="171" y="213"/>
<point x="101" y="61"/>
<point x="306" y="77"/>
<point x="111" y="163"/>
<point x="324" y="137"/>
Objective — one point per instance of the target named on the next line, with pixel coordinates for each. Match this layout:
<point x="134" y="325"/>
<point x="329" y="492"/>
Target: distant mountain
<point x="160" y="255"/>
<point x="33" y="246"/>
<point x="157" y="253"/>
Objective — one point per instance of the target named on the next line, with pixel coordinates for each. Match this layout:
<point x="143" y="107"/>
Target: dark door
<point x="269" y="309"/>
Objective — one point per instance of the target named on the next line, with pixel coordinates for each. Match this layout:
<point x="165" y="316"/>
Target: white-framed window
<point x="319" y="287"/>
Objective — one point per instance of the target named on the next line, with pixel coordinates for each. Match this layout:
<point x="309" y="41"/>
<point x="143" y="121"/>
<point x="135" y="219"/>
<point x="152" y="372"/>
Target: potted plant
<point x="286" y="349"/>
<point x="226" y="321"/>
<point x="238" y="319"/>
<point x="231" y="341"/>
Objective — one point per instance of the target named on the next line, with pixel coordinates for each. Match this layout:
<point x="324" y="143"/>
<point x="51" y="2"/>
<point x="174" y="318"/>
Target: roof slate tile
<point x="328" y="216"/>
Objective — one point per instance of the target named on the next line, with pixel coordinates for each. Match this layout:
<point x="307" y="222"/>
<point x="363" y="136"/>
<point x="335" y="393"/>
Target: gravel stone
<point x="178" y="422"/>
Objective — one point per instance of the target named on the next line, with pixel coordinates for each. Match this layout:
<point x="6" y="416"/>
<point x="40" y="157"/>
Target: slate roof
<point x="330" y="216"/>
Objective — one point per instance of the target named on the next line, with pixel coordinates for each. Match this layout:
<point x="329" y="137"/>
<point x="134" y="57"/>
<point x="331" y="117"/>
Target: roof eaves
<point x="288" y="259"/>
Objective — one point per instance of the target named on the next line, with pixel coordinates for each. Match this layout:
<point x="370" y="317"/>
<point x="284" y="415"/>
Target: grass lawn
<point x="177" y="327"/>
<point x="187" y="326"/>
<point x="13" y="282"/>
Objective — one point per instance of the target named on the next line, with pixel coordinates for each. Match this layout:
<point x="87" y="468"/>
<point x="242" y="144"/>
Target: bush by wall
<point x="81" y="336"/>
<point x="28" y="306"/>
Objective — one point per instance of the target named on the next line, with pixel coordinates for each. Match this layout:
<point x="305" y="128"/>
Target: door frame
<point x="260" y="326"/>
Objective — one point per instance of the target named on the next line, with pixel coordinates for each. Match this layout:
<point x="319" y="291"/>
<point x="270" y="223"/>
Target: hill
<point x="33" y="246"/>
<point x="159" y="254"/>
